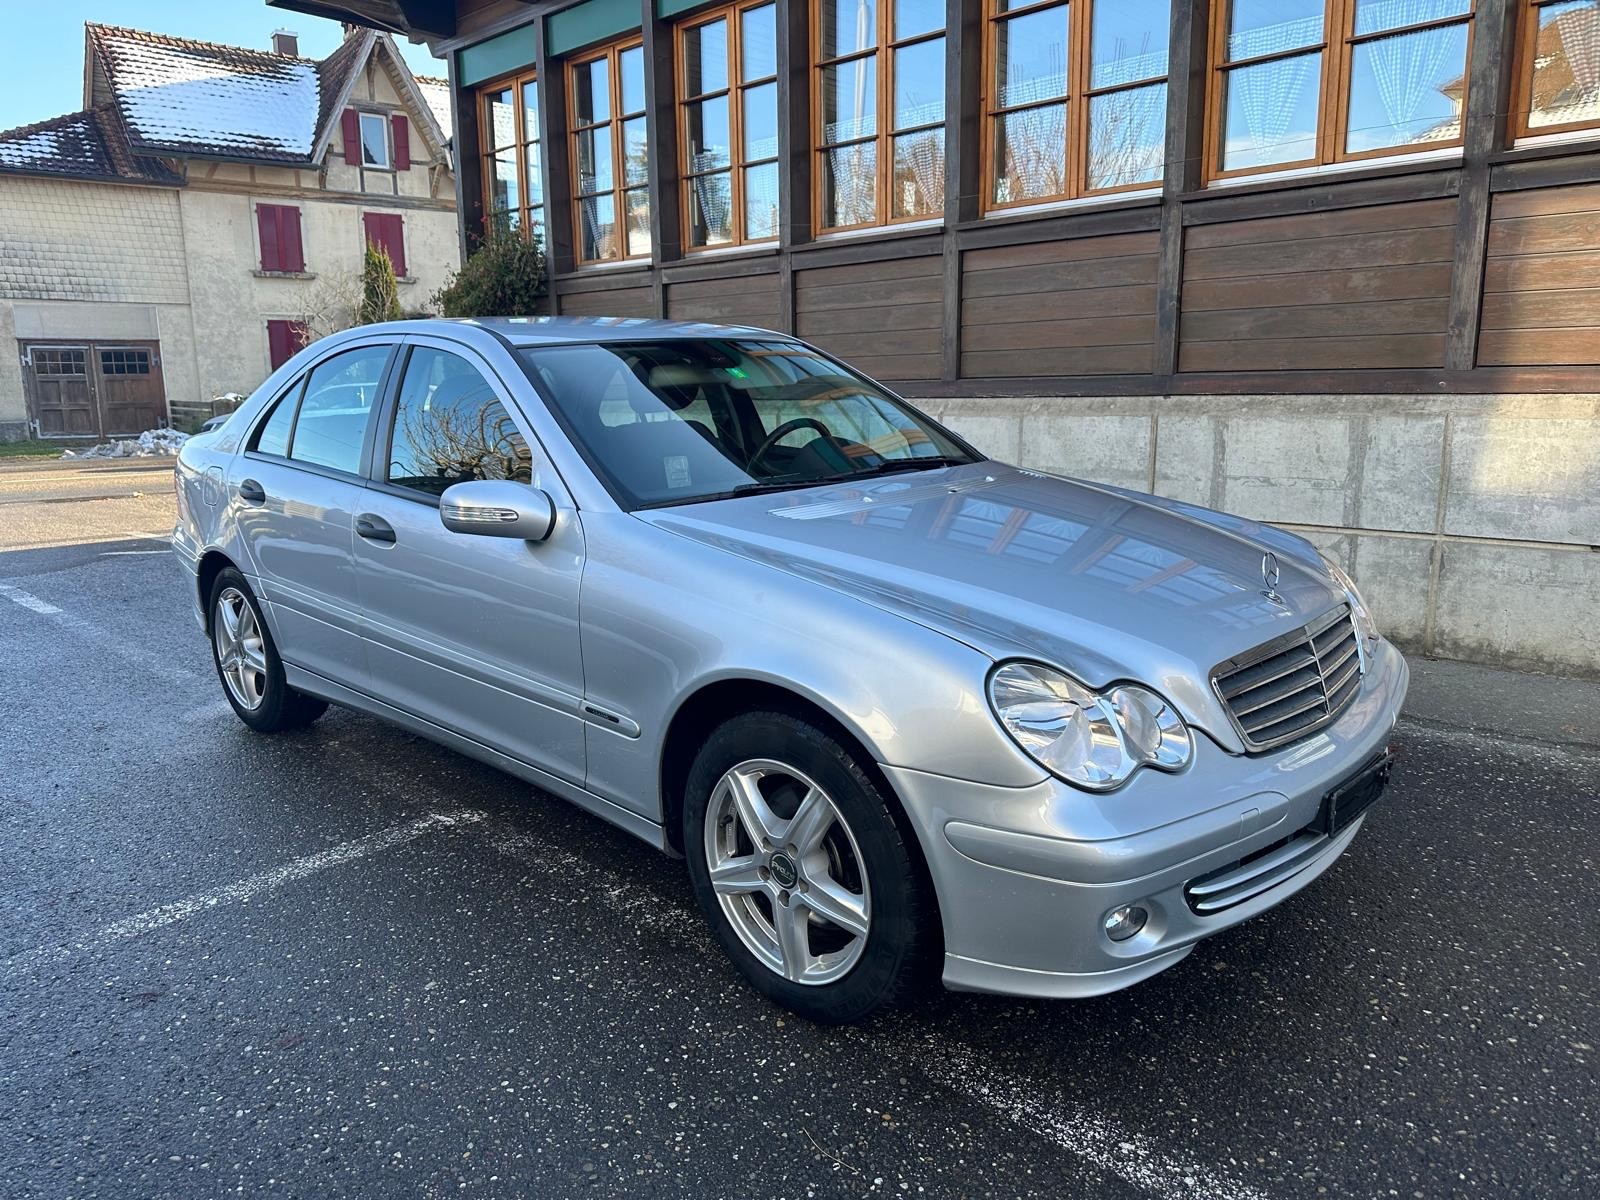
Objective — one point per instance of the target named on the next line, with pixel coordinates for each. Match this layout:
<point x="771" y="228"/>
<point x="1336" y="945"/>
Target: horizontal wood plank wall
<point x="1541" y="299"/>
<point x="1084" y="306"/>
<point x="740" y="300"/>
<point x="1361" y="288"/>
<point x="885" y="317"/>
<point x="610" y="302"/>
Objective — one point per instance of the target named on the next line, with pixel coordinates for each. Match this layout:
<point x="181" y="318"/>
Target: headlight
<point x="1090" y="739"/>
<point x="1365" y="625"/>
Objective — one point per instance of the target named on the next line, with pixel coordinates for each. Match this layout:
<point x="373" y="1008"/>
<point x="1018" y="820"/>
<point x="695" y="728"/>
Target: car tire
<point x="247" y="661"/>
<point x="770" y="906"/>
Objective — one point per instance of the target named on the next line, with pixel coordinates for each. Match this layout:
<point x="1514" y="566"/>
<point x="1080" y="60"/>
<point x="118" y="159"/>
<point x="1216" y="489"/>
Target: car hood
<point x="1105" y="583"/>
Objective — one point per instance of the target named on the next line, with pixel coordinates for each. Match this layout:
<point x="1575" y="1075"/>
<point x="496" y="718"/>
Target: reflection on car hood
<point x="1108" y="584"/>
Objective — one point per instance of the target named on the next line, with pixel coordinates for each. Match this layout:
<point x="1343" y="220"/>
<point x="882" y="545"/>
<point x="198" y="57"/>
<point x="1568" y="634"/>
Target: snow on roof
<point x="81" y="145"/>
<point x="179" y="96"/>
<point x="437" y="93"/>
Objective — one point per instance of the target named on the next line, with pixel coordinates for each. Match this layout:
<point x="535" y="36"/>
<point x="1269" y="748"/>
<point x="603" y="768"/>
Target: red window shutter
<point x="402" y="141"/>
<point x="352" y="137"/>
<point x="271" y="245"/>
<point x="387" y="231"/>
<point x="279" y="340"/>
<point x="294" y="255"/>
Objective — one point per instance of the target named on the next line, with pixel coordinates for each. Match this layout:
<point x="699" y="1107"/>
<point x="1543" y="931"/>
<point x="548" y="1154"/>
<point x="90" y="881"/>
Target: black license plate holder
<point x="1355" y="795"/>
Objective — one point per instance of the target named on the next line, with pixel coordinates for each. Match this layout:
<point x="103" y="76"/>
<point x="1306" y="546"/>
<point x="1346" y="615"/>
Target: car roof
<point x="547" y="331"/>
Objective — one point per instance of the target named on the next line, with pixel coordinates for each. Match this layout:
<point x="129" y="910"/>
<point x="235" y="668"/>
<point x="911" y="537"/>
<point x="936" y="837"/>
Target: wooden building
<point x="1331" y="263"/>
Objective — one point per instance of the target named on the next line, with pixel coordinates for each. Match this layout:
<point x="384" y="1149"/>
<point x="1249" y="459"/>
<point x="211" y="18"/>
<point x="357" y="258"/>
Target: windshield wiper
<point x="894" y="465"/>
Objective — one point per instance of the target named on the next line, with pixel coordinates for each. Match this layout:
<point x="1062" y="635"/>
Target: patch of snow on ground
<point x="149" y="444"/>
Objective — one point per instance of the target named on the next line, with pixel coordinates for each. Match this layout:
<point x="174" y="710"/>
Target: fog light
<point x="1122" y="923"/>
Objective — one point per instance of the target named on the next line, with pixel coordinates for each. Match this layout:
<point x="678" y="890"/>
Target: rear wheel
<point x="802" y="869"/>
<point x="247" y="662"/>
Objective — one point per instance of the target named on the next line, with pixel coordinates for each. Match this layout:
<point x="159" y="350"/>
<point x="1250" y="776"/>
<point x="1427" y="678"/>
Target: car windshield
<point x="676" y="421"/>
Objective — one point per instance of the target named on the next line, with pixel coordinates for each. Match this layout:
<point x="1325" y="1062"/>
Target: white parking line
<point x="27" y="599"/>
<point x="245" y="889"/>
<point x="1099" y="1141"/>
<point x="127" y="553"/>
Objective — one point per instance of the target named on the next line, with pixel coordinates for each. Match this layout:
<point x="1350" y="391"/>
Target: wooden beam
<point x="1483" y="133"/>
<point x="554" y="168"/>
<point x="468" y="164"/>
<point x="1185" y="154"/>
<point x="661" y="129"/>
<point x="963" y="142"/>
<point x="794" y="125"/>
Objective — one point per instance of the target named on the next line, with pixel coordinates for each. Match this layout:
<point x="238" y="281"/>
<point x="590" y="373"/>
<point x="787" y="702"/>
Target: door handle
<point x="252" y="492"/>
<point x="374" y="528"/>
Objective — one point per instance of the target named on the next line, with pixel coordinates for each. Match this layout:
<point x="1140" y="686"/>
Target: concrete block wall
<point x="1472" y="523"/>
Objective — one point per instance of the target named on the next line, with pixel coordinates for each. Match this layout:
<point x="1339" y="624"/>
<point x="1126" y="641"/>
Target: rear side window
<point x="273" y="436"/>
<point x="449" y="427"/>
<point x="339" y="396"/>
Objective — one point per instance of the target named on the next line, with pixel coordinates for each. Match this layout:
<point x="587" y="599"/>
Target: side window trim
<point x="386" y="380"/>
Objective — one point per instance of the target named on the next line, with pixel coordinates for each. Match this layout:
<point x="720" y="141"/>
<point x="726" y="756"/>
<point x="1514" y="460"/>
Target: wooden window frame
<point x="1076" y="99"/>
<point x="884" y="133"/>
<point x="616" y="118"/>
<point x="1527" y="47"/>
<point x="363" y="115"/>
<point x="735" y="91"/>
<point x="1337" y="47"/>
<point x="524" y="140"/>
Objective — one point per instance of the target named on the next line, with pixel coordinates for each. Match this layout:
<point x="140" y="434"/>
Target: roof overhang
<point x="409" y="18"/>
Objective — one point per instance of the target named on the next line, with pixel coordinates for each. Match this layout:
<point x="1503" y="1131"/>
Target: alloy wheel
<point x="241" y="650"/>
<point x="787" y="872"/>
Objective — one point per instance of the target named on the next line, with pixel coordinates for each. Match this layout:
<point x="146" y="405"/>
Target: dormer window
<point x="375" y="141"/>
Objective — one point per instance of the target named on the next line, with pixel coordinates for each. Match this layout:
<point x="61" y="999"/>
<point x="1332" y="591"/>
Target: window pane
<point x="502" y="120"/>
<point x="708" y="133"/>
<point x="630" y="66"/>
<point x="1030" y="58"/>
<point x="711" y="210"/>
<point x="449" y="427"/>
<point x="1129" y="41"/>
<point x="597" y="235"/>
<point x="761" y="202"/>
<point x="917" y="189"/>
<point x="1268" y="26"/>
<point x="912" y="17"/>
<point x="594" y="160"/>
<point x="536" y="223"/>
<point x="274" y="435"/>
<point x="637" y="206"/>
<point x="1271" y="112"/>
<point x="591" y="90"/>
<point x="850" y="100"/>
<point x="635" y="152"/>
<point x="919" y="84"/>
<point x="530" y="111"/>
<point x="1408" y="89"/>
<point x="761" y="122"/>
<point x="503" y="192"/>
<point x="338" y="401"/>
<point x="1566" y="65"/>
<point x="1374" y="16"/>
<point x="1127" y="136"/>
<point x="848" y="26"/>
<point x="534" y="187"/>
<point x="759" y="47"/>
<point x="1030" y="154"/>
<point x="705" y="58"/>
<point x="850" y="185"/>
<point x="374" y="140"/>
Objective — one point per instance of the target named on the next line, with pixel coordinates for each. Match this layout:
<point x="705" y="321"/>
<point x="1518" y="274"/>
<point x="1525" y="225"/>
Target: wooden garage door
<point x="99" y="389"/>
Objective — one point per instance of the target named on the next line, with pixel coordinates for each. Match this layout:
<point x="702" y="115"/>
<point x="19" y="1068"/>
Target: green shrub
<point x="380" y="294"/>
<point x="503" y="277"/>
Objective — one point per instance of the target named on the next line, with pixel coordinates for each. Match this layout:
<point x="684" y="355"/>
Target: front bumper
<point x="1025" y="876"/>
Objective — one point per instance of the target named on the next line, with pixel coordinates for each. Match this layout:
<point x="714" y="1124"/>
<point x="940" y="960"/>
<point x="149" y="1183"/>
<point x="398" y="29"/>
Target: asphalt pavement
<point x="347" y="962"/>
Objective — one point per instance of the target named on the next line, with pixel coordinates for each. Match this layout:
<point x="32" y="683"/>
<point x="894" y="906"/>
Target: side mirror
<point x="498" y="508"/>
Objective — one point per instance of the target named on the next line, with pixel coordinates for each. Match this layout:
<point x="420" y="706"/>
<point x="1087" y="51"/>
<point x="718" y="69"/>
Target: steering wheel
<point x="781" y="432"/>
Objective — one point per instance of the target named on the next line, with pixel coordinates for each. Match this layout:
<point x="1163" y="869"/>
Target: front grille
<point x="1294" y="684"/>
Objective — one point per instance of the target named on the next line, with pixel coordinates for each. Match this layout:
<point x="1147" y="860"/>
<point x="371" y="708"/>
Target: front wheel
<point x="248" y="664"/>
<point x="797" y="860"/>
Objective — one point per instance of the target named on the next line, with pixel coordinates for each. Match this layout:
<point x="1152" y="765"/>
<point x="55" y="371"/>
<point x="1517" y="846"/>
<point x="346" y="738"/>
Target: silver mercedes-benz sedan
<point x="902" y="708"/>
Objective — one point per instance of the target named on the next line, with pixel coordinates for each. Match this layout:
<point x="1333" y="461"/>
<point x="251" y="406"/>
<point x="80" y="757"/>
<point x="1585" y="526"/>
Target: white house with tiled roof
<point x="178" y="238"/>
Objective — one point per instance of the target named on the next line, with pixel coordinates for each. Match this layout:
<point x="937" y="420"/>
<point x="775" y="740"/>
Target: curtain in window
<point x="1407" y="69"/>
<point x="1269" y="92"/>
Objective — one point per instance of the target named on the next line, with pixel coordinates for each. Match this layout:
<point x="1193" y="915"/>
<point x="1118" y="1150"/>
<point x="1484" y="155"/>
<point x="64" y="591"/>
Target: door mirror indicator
<point x="498" y="508"/>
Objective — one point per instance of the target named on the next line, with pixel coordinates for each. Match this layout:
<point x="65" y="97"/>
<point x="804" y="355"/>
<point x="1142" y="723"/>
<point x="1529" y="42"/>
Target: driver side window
<point x="450" y="427"/>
